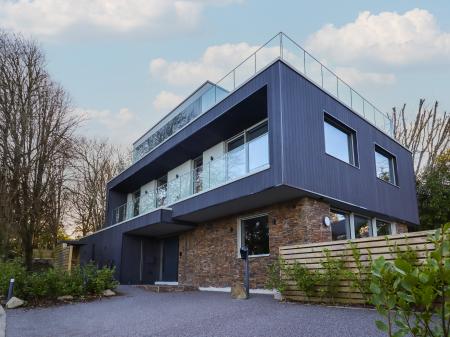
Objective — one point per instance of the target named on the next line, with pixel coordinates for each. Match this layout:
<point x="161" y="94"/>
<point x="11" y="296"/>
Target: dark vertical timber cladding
<point x="308" y="167"/>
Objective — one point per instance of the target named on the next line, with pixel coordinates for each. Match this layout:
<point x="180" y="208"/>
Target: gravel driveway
<point x="141" y="313"/>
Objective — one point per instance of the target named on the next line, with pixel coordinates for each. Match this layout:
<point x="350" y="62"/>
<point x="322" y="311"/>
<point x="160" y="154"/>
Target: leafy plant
<point x="331" y="276"/>
<point x="360" y="280"/>
<point x="275" y="278"/>
<point x="415" y="298"/>
<point x="305" y="279"/>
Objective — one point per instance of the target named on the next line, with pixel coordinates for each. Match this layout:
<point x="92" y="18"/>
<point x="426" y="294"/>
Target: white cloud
<point x="47" y="18"/>
<point x="354" y="76"/>
<point x="215" y="62"/>
<point x="386" y="38"/>
<point x="106" y="118"/>
<point x="166" y="101"/>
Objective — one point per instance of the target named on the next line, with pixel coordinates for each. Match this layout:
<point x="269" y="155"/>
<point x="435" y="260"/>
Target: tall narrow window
<point x="385" y="166"/>
<point x="161" y="190"/>
<point x="340" y="141"/>
<point x="136" y="201"/>
<point x="340" y="226"/>
<point x="197" y="174"/>
<point x="236" y="158"/>
<point x="255" y="235"/>
<point x="258" y="147"/>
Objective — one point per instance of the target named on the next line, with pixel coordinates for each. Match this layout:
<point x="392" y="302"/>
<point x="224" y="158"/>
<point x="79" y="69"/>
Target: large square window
<point x="255" y="235"/>
<point x="340" y="226"/>
<point x="385" y="165"/>
<point x="340" y="141"/>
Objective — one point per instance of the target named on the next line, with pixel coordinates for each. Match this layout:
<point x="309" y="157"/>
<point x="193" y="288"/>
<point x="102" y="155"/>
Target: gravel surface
<point x="141" y="313"/>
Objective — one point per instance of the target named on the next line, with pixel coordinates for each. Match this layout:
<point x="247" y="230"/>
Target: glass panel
<point x="357" y="103"/>
<point x="339" y="226"/>
<point x="293" y="55"/>
<point x="344" y="93"/>
<point x="258" y="152"/>
<point x="236" y="163"/>
<point x="268" y="53"/>
<point x="217" y="171"/>
<point x="244" y="71"/>
<point x="161" y="195"/>
<point x="255" y="235"/>
<point x="313" y="71"/>
<point x="362" y="227"/>
<point x="383" y="228"/>
<point x="329" y="81"/>
<point x="337" y="142"/>
<point x="382" y="163"/>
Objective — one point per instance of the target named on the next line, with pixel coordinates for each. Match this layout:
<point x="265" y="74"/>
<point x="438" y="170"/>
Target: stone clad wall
<point x="209" y="253"/>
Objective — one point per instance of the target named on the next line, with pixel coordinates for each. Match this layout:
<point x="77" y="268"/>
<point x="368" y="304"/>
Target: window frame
<point x="375" y="228"/>
<point x="348" y="228"/>
<point x="393" y="170"/>
<point x="239" y="232"/>
<point x="352" y="142"/>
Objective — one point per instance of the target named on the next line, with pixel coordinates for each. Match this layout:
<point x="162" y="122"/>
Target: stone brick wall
<point x="401" y="228"/>
<point x="209" y="253"/>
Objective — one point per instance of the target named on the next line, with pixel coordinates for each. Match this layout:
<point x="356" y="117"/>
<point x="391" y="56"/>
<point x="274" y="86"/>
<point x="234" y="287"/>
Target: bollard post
<point x="10" y="290"/>
<point x="244" y="256"/>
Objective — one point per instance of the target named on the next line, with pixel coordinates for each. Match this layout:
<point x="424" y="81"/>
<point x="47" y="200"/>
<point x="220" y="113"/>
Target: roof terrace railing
<point x="281" y="47"/>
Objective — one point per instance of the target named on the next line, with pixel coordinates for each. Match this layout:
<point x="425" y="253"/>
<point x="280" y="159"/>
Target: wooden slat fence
<point x="311" y="255"/>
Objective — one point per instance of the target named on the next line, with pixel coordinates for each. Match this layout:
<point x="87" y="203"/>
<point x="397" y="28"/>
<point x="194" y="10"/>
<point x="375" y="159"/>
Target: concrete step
<point x="166" y="288"/>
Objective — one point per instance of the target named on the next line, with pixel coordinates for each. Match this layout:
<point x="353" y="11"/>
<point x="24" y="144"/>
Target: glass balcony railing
<point x="281" y="47"/>
<point x="248" y="158"/>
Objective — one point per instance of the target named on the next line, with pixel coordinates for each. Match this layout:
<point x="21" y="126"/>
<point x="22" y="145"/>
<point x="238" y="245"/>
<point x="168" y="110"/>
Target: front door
<point x="169" y="272"/>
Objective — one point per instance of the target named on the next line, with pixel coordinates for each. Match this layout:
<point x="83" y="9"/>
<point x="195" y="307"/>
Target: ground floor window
<point x="346" y="225"/>
<point x="254" y="233"/>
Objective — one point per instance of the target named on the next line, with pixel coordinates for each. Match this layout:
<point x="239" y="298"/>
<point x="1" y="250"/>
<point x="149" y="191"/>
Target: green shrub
<point x="360" y="280"/>
<point x="274" y="276"/>
<point x="333" y="269"/>
<point x="415" y="298"/>
<point x="12" y="269"/>
<point x="305" y="279"/>
<point x="51" y="283"/>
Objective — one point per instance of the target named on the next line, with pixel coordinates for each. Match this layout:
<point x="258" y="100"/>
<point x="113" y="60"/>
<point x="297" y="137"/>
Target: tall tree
<point x="96" y="163"/>
<point x="36" y="131"/>
<point x="427" y="136"/>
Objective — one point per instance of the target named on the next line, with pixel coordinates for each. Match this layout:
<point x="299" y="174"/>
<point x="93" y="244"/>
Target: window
<point x="383" y="228"/>
<point x="255" y="235"/>
<point x="197" y="174"/>
<point x="362" y="227"/>
<point x="339" y="226"/>
<point x="136" y="199"/>
<point x="340" y="141"/>
<point x="236" y="157"/>
<point x="248" y="151"/>
<point x="161" y="190"/>
<point x="385" y="166"/>
<point x="258" y="147"/>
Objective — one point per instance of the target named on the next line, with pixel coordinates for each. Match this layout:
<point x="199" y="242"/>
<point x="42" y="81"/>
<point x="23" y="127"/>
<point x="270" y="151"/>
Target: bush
<point x="415" y="298"/>
<point x="49" y="284"/>
<point x="331" y="276"/>
<point x="274" y="276"/>
<point x="305" y="279"/>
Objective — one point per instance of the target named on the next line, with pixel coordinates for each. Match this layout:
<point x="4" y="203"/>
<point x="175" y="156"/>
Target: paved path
<point x="142" y="313"/>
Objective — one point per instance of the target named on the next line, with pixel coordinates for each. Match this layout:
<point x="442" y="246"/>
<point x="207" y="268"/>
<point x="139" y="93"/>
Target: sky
<point x="127" y="63"/>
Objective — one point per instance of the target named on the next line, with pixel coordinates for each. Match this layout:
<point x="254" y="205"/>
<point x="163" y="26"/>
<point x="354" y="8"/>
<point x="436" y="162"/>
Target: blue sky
<point x="127" y="63"/>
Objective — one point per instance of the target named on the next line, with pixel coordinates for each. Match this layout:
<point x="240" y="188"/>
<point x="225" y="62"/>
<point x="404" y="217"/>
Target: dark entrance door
<point x="170" y="259"/>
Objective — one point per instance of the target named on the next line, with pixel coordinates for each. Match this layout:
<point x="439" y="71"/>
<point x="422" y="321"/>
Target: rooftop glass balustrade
<point x="279" y="47"/>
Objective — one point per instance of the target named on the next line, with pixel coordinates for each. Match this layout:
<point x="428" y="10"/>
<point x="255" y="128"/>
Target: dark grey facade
<point x="144" y="248"/>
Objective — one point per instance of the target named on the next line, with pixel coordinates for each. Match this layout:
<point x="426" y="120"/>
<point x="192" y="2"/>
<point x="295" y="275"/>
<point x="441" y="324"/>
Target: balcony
<point x="244" y="157"/>
<point x="281" y="47"/>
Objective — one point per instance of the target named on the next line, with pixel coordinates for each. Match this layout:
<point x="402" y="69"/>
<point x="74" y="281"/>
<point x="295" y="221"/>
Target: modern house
<point x="279" y="151"/>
